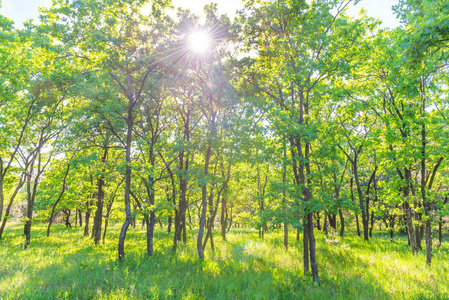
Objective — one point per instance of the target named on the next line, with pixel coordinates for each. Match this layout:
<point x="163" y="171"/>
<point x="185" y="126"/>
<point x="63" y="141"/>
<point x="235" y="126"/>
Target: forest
<point x="294" y="151"/>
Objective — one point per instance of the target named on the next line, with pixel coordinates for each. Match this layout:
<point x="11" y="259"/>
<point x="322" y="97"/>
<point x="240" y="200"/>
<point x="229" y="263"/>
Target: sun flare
<point x="199" y="41"/>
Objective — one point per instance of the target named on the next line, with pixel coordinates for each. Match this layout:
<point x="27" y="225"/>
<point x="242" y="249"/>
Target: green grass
<point x="67" y="265"/>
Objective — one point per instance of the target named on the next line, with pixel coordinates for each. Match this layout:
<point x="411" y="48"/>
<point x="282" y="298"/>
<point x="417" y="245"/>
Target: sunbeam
<point x="199" y="41"/>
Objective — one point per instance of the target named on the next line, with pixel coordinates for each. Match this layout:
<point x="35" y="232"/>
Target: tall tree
<point x="111" y="39"/>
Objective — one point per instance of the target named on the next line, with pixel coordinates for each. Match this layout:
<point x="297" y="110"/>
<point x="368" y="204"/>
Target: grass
<point x="68" y="266"/>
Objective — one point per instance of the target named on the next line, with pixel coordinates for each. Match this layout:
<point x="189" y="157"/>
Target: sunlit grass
<point x="67" y="265"/>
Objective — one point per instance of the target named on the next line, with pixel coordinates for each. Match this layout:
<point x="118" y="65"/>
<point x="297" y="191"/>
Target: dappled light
<point x="236" y="268"/>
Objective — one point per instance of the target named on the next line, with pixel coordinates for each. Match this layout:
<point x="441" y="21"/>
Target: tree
<point x="89" y="29"/>
<point x="301" y="46"/>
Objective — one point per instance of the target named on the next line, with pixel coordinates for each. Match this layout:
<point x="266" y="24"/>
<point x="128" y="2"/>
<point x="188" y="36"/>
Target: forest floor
<point x="68" y="265"/>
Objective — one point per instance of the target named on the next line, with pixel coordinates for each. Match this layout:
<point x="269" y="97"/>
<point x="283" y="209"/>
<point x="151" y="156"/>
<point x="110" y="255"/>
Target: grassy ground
<point x="67" y="265"/>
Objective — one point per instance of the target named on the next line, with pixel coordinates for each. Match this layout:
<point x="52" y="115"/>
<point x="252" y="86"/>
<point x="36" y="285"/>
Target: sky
<point x="22" y="10"/>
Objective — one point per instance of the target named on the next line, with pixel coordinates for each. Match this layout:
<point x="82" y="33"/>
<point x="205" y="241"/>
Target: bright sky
<point x="22" y="10"/>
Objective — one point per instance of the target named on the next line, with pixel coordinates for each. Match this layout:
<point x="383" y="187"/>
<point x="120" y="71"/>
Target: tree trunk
<point x="230" y="219"/>
<point x="209" y="233"/>
<point x="305" y="243"/>
<point x="284" y="195"/>
<point x="11" y="201"/>
<point x="372" y="225"/>
<point x="67" y="212"/>
<point x="106" y="222"/>
<point x="312" y="249"/>
<point x="325" y="225"/>
<point x="29" y="212"/>
<point x="180" y="215"/>
<point x="352" y="199"/>
<point x="128" y="215"/>
<point x="332" y="221"/>
<point x="224" y="217"/>
<point x="63" y="188"/>
<point x="424" y="196"/>
<point x="2" y="197"/>
<point x="150" y="223"/>
<point x="408" y="214"/>
<point x="410" y="230"/>
<point x="199" y="241"/>
<point x="418" y="227"/>
<point x="342" y="223"/>
<point x="210" y="221"/>
<point x="391" y="227"/>
<point x="361" y="198"/>
<point x="87" y="217"/>
<point x="98" y="218"/>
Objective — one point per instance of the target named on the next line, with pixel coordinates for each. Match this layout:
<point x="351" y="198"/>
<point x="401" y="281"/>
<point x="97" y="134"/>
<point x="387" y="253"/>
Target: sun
<point x="199" y="41"/>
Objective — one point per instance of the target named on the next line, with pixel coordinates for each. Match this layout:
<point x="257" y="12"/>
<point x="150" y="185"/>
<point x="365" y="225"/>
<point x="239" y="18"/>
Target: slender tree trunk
<point x="31" y="191"/>
<point x="361" y="203"/>
<point x="312" y="249"/>
<point x="152" y="220"/>
<point x="199" y="242"/>
<point x="230" y="219"/>
<point x="224" y="217"/>
<point x="87" y="217"/>
<point x="67" y="213"/>
<point x="356" y="215"/>
<point x="424" y="196"/>
<point x="305" y="242"/>
<point x="2" y="197"/>
<point x="284" y="195"/>
<point x="184" y="224"/>
<point x="128" y="215"/>
<point x="332" y="221"/>
<point x="169" y="221"/>
<point x="180" y="215"/>
<point x="170" y="218"/>
<point x="210" y="221"/>
<point x="209" y="233"/>
<point x="29" y="213"/>
<point x="408" y="214"/>
<point x="106" y="222"/>
<point x="372" y="225"/>
<point x="325" y="224"/>
<point x="63" y="188"/>
<point x="11" y="201"/>
<point x="98" y="218"/>
<point x="357" y="223"/>
<point x="418" y="227"/>
<point x="342" y="223"/>
<point x="391" y="227"/>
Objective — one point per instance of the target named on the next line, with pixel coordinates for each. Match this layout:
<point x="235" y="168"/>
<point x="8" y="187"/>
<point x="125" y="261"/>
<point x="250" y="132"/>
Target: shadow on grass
<point x="67" y="265"/>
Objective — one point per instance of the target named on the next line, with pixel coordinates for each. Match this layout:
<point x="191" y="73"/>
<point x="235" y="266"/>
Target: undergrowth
<point x="68" y="266"/>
